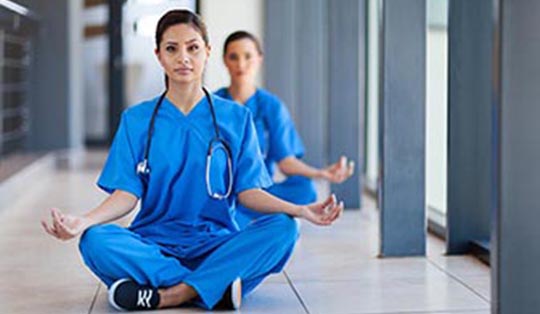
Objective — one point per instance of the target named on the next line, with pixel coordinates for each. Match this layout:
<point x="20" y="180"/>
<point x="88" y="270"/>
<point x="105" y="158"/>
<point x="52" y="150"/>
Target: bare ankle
<point x="176" y="295"/>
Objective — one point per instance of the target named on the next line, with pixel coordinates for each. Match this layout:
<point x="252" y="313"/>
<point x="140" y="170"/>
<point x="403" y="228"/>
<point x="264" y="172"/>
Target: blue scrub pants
<point x="295" y="189"/>
<point x="113" y="252"/>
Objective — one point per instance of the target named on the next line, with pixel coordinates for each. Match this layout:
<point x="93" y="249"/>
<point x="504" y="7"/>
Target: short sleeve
<point x="250" y="171"/>
<point x="284" y="139"/>
<point x="119" y="172"/>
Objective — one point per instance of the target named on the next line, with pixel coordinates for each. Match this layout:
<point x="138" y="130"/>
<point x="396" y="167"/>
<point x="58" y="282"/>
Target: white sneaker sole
<point x="236" y="293"/>
<point x="111" y="294"/>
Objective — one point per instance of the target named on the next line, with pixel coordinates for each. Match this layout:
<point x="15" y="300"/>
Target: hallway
<point x="334" y="270"/>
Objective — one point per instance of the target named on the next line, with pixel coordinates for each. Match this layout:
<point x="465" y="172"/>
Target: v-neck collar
<point x="250" y="103"/>
<point x="196" y="110"/>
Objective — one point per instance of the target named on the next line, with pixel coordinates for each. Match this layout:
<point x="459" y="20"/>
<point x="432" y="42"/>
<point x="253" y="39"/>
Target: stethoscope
<point x="143" y="169"/>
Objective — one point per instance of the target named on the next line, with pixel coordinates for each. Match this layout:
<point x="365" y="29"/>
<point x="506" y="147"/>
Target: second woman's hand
<point x="322" y="213"/>
<point x="65" y="227"/>
<point x="339" y="171"/>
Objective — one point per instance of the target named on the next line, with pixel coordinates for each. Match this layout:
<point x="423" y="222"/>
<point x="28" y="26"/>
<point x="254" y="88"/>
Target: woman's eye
<point x="248" y="56"/>
<point x="233" y="57"/>
<point x="193" y="48"/>
<point x="170" y="49"/>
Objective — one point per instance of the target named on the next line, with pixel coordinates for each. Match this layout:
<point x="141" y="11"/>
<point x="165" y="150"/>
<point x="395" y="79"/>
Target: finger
<point x="320" y="221"/>
<point x="56" y="220"/>
<point x="351" y="168"/>
<point x="63" y="229"/>
<point x="62" y="216"/>
<point x="328" y="201"/>
<point x="54" y="217"/>
<point x="48" y="229"/>
<point x="331" y="211"/>
<point x="338" y="206"/>
<point x="343" y="162"/>
<point x="341" y="211"/>
<point x="332" y="200"/>
<point x="337" y="212"/>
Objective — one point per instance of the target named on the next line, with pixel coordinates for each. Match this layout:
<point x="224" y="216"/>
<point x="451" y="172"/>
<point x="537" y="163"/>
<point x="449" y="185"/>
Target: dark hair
<point x="242" y="35"/>
<point x="175" y="17"/>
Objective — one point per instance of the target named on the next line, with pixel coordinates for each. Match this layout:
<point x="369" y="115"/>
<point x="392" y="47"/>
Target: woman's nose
<point x="183" y="58"/>
<point x="241" y="64"/>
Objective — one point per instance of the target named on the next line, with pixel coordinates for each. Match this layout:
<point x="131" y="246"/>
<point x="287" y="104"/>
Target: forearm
<point x="293" y="166"/>
<point x="265" y="202"/>
<point x="117" y="205"/>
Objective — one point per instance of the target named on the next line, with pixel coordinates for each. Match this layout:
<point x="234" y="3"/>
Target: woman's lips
<point x="183" y="70"/>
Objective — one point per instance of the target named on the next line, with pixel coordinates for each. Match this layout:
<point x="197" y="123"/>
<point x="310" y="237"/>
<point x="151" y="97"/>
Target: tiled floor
<point x="334" y="270"/>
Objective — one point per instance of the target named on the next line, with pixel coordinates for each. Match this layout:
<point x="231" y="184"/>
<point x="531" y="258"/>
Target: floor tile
<point x="50" y="297"/>
<point x="388" y="295"/>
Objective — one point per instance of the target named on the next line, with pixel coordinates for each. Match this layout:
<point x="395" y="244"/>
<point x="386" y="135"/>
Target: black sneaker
<point x="232" y="298"/>
<point x="126" y="295"/>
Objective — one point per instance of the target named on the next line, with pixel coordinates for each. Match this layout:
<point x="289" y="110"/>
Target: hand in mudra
<point x="339" y="171"/>
<point x="65" y="227"/>
<point x="322" y="213"/>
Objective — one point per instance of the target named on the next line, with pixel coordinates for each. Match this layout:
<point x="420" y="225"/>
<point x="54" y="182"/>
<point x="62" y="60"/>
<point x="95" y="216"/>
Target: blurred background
<point x="435" y="100"/>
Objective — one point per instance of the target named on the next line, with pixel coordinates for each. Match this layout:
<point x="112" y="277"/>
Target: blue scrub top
<point x="276" y="132"/>
<point x="176" y="210"/>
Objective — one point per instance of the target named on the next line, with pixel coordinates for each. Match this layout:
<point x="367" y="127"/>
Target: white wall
<point x="436" y="118"/>
<point x="222" y="18"/>
<point x="372" y="122"/>
<point x="437" y="109"/>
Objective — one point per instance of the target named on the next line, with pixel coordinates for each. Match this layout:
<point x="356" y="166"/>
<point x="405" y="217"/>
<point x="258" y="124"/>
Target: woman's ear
<point x="156" y="51"/>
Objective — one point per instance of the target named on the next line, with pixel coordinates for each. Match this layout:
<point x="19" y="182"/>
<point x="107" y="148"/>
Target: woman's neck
<point x="241" y="92"/>
<point x="185" y="96"/>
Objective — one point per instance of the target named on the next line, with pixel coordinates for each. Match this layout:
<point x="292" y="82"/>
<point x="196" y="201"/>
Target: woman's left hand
<point x="322" y="213"/>
<point x="339" y="171"/>
<point x="65" y="227"/>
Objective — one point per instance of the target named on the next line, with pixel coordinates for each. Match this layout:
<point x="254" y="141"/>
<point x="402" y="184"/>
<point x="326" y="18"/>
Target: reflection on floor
<point x="334" y="269"/>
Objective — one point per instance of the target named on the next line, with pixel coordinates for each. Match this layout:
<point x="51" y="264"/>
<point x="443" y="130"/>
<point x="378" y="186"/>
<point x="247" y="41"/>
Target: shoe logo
<point x="143" y="298"/>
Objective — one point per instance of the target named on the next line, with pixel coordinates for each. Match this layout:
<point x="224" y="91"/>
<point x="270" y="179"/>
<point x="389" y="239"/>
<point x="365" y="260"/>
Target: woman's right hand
<point x="322" y="213"/>
<point x="65" y="227"/>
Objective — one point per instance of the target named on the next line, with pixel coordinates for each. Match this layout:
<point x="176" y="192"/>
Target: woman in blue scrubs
<point x="184" y="245"/>
<point x="279" y="141"/>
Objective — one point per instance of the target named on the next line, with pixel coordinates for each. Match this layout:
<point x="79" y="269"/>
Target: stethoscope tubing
<point x="143" y="168"/>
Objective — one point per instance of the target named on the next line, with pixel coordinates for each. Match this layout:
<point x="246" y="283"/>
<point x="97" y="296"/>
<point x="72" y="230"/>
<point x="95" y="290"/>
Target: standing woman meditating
<point x="188" y="157"/>
<point x="279" y="141"/>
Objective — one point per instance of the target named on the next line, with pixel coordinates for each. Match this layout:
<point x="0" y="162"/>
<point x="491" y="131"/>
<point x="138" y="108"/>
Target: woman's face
<point x="183" y="54"/>
<point x="243" y="60"/>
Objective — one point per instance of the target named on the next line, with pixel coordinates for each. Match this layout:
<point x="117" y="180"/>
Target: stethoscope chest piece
<point x="143" y="169"/>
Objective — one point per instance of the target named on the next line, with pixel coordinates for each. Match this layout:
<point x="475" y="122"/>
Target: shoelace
<point x="143" y="297"/>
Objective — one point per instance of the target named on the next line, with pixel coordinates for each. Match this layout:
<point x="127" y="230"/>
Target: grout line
<point x="472" y="311"/>
<point x="296" y="292"/>
<point x="94" y="299"/>
<point x="458" y="280"/>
